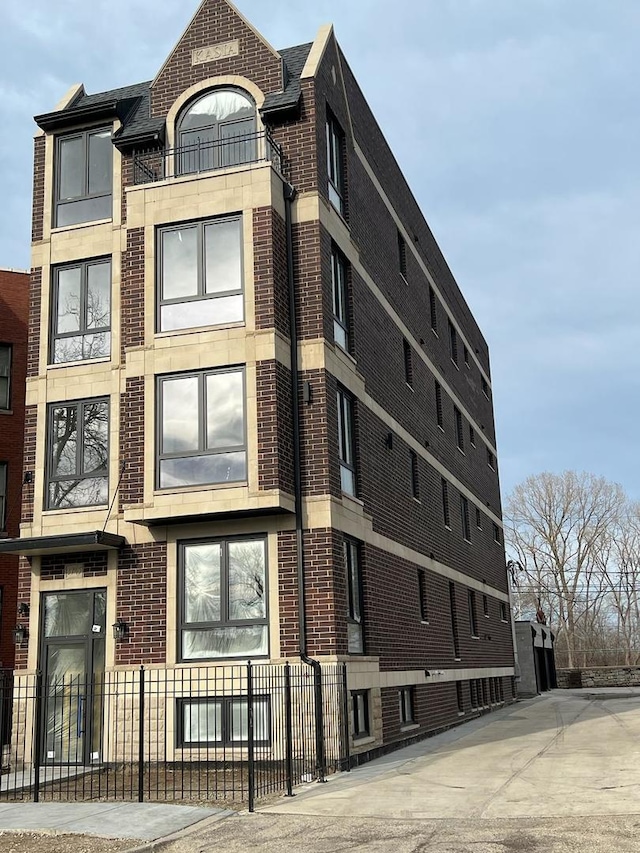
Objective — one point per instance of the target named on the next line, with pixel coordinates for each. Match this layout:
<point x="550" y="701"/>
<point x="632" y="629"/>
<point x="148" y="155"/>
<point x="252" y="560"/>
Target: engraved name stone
<point x="215" y="51"/>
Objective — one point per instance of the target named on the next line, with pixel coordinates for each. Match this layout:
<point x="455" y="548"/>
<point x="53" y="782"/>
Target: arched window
<point x="217" y="130"/>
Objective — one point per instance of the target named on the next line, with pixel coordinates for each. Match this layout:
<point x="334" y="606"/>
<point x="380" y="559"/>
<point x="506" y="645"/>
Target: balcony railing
<point x="205" y="156"/>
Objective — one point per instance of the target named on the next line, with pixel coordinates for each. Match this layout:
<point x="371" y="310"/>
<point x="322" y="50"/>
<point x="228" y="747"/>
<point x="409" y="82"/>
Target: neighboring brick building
<point x="14" y="314"/>
<point x="191" y="468"/>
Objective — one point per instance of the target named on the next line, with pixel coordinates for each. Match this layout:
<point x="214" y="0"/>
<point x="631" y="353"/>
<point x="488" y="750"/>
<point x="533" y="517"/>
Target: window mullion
<point x="202" y="414"/>
<point x="85" y="145"/>
<point x="224" y="583"/>
<point x="79" y="438"/>
<point x="202" y="256"/>
<point x="84" y="298"/>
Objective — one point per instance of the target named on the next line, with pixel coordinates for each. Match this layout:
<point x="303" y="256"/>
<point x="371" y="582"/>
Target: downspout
<point x="289" y="196"/>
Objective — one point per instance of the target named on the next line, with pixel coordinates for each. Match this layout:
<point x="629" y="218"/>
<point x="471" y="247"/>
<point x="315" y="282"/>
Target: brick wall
<point x="94" y="564"/>
<point x="14" y="313"/>
<point x="215" y="23"/>
<point x="270" y="271"/>
<point x="30" y="426"/>
<point x="37" y="211"/>
<point x="132" y="441"/>
<point x="132" y="292"/>
<point x="275" y="445"/>
<point x="35" y="299"/>
<point x="141" y="602"/>
<point x="394" y="629"/>
<point x="24" y="594"/>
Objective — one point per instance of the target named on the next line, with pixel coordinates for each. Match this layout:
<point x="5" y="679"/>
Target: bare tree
<point x="557" y="528"/>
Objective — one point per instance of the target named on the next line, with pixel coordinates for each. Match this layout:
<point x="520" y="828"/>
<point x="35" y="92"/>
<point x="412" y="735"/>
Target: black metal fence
<point x="204" y="156"/>
<point x="223" y="734"/>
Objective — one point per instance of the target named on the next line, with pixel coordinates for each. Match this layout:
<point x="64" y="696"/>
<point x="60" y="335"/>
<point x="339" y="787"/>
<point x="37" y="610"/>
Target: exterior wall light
<point x="120" y="630"/>
<point x="20" y="634"/>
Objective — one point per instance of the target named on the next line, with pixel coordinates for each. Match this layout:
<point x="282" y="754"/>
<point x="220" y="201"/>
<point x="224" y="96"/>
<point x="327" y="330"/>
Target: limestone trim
<point x="311" y="208"/>
<point x="368" y="679"/>
<point x="350" y="518"/>
<point x="215" y="82"/>
<point x="188" y="27"/>
<point x="410" y="244"/>
<point x="317" y="51"/>
<point x="319" y="355"/>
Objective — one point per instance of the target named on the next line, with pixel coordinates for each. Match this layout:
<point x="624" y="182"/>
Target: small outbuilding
<point x="535" y="643"/>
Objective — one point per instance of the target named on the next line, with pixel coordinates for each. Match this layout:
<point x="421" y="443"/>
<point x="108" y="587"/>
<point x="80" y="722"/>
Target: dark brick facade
<point x="132" y="442"/>
<point x="37" y="212"/>
<point x="141" y="602"/>
<point x="132" y="292"/>
<point x="215" y="23"/>
<point x="270" y="271"/>
<point x="14" y="312"/>
<point x="275" y="449"/>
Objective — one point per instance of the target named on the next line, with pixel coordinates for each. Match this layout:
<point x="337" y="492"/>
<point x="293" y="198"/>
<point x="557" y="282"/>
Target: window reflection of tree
<point x="89" y="462"/>
<point x="92" y="324"/>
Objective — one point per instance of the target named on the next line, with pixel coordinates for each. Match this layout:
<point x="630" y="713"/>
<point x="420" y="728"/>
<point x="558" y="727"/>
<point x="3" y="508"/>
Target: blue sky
<point x="516" y="125"/>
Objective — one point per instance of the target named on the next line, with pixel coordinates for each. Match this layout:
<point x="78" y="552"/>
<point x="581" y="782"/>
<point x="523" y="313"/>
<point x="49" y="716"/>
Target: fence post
<point x="288" y="729"/>
<point x="250" y="754"/>
<point x="141" y="738"/>
<point x="345" y="714"/>
<point x="319" y="709"/>
<point x="36" y="729"/>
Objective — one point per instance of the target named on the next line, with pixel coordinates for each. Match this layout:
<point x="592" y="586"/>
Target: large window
<point x="346" y="443"/>
<point x="406" y="703"/>
<point x="84" y="177"/>
<point x="78" y="435"/>
<point x="3" y="495"/>
<point x="340" y="299"/>
<point x="223" y="599"/>
<point x="201" y="433"/>
<point x="200" y="274"/>
<point x="335" y="163"/>
<point x="223" y="721"/>
<point x="215" y="131"/>
<point x="81" y="313"/>
<point x="5" y="376"/>
<point x="355" y="639"/>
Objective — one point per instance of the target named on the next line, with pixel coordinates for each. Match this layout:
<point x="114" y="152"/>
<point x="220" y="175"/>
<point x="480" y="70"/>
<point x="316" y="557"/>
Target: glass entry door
<point x="73" y="632"/>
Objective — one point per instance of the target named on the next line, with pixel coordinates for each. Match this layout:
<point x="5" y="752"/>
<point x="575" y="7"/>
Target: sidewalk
<point x="142" y="821"/>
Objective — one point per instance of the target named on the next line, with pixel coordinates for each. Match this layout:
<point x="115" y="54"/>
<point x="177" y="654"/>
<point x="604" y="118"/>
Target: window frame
<point x="491" y="460"/>
<point x="402" y="256"/>
<point x="415" y="475"/>
<point x="485" y="606"/>
<point x="57" y="201"/>
<point x="453" y="343"/>
<point x="226" y="718"/>
<point x="459" y="429"/>
<point x="453" y="610"/>
<point x="360" y="701"/>
<point x="202" y="451"/>
<point x="478" y="518"/>
<point x="473" y="616"/>
<point x="464" y="518"/>
<point x="433" y="310"/>
<point x="406" y="705"/>
<point x="201" y="296"/>
<point x="335" y="139"/>
<point x="439" y="409"/>
<point x="352" y="551"/>
<point x="422" y="596"/>
<point x="407" y="354"/>
<point x="4" y="485"/>
<point x="446" y="509"/>
<point x="340" y="297"/>
<point x="504" y="612"/>
<point x="485" y="387"/>
<point x="8" y="348"/>
<point x="346" y="439"/>
<point x="84" y="330"/>
<point x="496" y="534"/>
<point x="223" y="622"/>
<point x="79" y="405"/>
<point x="472" y="436"/>
<point x="460" y="698"/>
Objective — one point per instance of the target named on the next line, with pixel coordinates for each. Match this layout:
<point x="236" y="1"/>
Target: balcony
<point x="206" y="156"/>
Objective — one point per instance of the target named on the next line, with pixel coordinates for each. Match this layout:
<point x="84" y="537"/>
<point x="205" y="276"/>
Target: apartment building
<point x="259" y="418"/>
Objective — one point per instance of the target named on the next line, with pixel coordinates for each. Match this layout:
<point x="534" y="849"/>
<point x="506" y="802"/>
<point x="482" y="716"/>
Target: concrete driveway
<point x="551" y="775"/>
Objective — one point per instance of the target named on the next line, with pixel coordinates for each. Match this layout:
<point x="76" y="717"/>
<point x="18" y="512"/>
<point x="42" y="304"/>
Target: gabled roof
<point x="131" y="104"/>
<point x="294" y="59"/>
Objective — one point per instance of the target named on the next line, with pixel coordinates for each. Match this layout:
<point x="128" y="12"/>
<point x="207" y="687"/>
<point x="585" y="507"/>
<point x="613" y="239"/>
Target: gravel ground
<point x="38" y="842"/>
